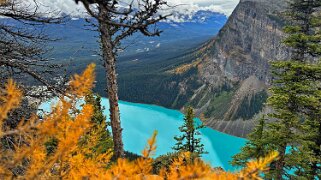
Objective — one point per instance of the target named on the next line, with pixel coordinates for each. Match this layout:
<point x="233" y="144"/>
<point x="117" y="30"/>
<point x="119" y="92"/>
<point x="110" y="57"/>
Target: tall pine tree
<point x="296" y="97"/>
<point x="188" y="141"/>
<point x="296" y="94"/>
<point x="305" y="40"/>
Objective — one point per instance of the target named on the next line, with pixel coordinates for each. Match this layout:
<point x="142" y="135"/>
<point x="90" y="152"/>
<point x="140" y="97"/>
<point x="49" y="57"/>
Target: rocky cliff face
<point x="234" y="67"/>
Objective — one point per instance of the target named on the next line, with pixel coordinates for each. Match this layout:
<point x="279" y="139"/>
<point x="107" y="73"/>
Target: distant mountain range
<point x="77" y="42"/>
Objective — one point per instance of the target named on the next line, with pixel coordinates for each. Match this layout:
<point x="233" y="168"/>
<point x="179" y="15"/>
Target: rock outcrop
<point x="234" y="69"/>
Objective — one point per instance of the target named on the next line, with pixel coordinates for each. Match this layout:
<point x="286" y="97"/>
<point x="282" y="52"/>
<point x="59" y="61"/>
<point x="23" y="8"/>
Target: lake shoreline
<point x="179" y="110"/>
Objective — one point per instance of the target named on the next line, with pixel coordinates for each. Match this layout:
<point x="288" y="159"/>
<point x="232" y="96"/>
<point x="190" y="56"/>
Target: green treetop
<point x="99" y="128"/>
<point x="188" y="141"/>
<point x="254" y="148"/>
<point x="304" y="28"/>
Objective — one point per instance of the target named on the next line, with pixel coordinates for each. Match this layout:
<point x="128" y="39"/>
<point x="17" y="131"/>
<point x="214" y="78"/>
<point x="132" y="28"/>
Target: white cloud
<point x="222" y="6"/>
<point x="60" y="6"/>
<point x="186" y="7"/>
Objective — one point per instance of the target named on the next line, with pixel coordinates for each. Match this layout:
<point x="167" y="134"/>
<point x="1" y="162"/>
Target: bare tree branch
<point x="22" y="44"/>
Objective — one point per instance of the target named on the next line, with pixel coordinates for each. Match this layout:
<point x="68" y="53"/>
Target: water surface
<point x="140" y="120"/>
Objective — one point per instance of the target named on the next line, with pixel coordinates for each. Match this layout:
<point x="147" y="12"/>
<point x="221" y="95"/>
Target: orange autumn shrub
<point x="183" y="167"/>
<point x="68" y="124"/>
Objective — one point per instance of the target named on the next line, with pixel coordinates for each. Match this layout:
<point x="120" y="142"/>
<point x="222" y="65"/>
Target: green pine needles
<point x="295" y="96"/>
<point x="255" y="147"/>
<point x="189" y="141"/>
<point x="99" y="129"/>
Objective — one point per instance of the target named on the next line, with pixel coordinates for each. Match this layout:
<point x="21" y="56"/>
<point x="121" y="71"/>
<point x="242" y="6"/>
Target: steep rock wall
<point x="234" y="69"/>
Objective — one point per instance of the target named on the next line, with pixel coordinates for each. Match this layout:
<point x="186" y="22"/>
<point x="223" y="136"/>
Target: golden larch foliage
<point x="81" y="85"/>
<point x="150" y="149"/>
<point x="10" y="99"/>
<point x="68" y="124"/>
<point x="259" y="165"/>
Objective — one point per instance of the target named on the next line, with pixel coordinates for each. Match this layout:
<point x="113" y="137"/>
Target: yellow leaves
<point x="138" y="169"/>
<point x="80" y="85"/>
<point x="66" y="124"/>
<point x="151" y="146"/>
<point x="144" y="164"/>
<point x="185" y="67"/>
<point x="65" y="127"/>
<point x="10" y="98"/>
<point x="80" y="167"/>
<point x="122" y="169"/>
<point x="253" y="168"/>
<point x="185" y="168"/>
<point x="37" y="157"/>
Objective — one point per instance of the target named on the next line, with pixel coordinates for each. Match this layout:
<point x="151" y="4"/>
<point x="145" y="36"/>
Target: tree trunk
<point x="279" y="164"/>
<point x="317" y="153"/>
<point x="109" y="60"/>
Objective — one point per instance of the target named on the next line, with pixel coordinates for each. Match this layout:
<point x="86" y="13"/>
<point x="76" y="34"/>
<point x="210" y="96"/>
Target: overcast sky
<point x="187" y="7"/>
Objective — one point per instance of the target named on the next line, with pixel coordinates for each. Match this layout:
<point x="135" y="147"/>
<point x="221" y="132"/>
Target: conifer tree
<point x="305" y="40"/>
<point x="295" y="97"/>
<point x="100" y="125"/>
<point x="295" y="91"/>
<point x="188" y="141"/>
<point x="255" y="147"/>
<point x="303" y="73"/>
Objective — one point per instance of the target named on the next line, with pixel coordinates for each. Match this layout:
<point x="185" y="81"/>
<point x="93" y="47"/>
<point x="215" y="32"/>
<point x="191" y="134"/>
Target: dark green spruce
<point x="188" y="140"/>
<point x="296" y="100"/>
<point x="99" y="128"/>
<point x="299" y="86"/>
<point x="305" y="39"/>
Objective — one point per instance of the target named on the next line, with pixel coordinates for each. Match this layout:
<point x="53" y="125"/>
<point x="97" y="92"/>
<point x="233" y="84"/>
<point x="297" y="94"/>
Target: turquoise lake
<point x="140" y="120"/>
